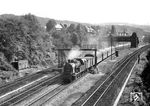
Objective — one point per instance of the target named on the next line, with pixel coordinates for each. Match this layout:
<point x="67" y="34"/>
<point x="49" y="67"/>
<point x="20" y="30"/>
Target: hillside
<point x="144" y="29"/>
<point x="35" y="38"/>
<point x="22" y="37"/>
<point x="76" y="30"/>
<point x="105" y="28"/>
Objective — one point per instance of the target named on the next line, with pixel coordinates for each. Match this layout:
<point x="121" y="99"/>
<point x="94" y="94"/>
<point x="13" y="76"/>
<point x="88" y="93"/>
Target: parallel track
<point x="103" y="94"/>
<point x="19" y="82"/>
<point x="6" y="88"/>
<point x="40" y="101"/>
<point x="49" y="95"/>
<point x="28" y="92"/>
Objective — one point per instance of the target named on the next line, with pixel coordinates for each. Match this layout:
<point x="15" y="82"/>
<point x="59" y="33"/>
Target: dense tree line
<point x="23" y="38"/>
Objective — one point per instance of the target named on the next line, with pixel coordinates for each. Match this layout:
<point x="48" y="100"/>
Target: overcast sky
<point x="86" y="11"/>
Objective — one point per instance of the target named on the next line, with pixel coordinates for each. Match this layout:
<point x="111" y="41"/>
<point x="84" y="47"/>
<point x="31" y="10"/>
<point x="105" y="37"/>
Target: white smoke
<point x="92" y="41"/>
<point x="75" y="52"/>
<point x="98" y="40"/>
<point x="104" y="44"/>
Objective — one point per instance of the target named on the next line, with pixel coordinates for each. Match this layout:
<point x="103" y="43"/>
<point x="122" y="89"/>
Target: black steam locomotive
<point x="76" y="67"/>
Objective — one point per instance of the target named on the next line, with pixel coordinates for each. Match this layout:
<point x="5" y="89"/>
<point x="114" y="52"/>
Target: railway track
<point x="17" y="83"/>
<point x="47" y="96"/>
<point x="6" y="88"/>
<point x="103" y="94"/>
<point x="29" y="92"/>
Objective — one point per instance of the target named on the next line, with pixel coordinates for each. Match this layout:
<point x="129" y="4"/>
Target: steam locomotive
<point x="77" y="67"/>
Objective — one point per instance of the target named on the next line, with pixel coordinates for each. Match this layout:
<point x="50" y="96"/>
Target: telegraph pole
<point x="113" y="31"/>
<point x="111" y="44"/>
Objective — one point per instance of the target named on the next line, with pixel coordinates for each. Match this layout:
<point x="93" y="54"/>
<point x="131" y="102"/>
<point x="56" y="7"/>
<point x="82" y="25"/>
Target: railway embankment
<point x="137" y="90"/>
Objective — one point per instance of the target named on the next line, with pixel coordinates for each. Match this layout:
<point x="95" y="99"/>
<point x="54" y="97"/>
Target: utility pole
<point x="111" y="44"/>
<point x="113" y="31"/>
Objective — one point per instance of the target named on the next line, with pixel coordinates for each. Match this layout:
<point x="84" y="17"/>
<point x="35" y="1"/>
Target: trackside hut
<point x="20" y="65"/>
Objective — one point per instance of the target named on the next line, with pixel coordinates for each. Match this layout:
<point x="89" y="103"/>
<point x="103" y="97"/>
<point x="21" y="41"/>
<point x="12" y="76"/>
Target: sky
<point x="84" y="11"/>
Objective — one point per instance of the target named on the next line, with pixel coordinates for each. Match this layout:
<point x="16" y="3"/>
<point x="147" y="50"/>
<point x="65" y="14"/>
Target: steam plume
<point x="75" y="52"/>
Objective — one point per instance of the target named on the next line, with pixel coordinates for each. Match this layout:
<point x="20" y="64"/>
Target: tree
<point x="33" y="27"/>
<point x="75" y="39"/>
<point x="56" y="35"/>
<point x="80" y="29"/>
<point x="71" y="28"/>
<point x="10" y="36"/>
<point x="50" y="25"/>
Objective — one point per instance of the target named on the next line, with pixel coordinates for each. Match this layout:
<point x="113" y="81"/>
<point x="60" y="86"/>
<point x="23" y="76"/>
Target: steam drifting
<point x="92" y="41"/>
<point x="75" y="52"/>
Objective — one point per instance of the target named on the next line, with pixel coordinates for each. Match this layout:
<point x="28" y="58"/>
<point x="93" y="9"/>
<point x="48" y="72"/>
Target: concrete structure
<point x="21" y="64"/>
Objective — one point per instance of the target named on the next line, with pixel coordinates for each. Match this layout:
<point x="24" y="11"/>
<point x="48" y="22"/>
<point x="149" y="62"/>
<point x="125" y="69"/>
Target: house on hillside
<point x="123" y="34"/>
<point x="89" y="29"/>
<point x="58" y="26"/>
